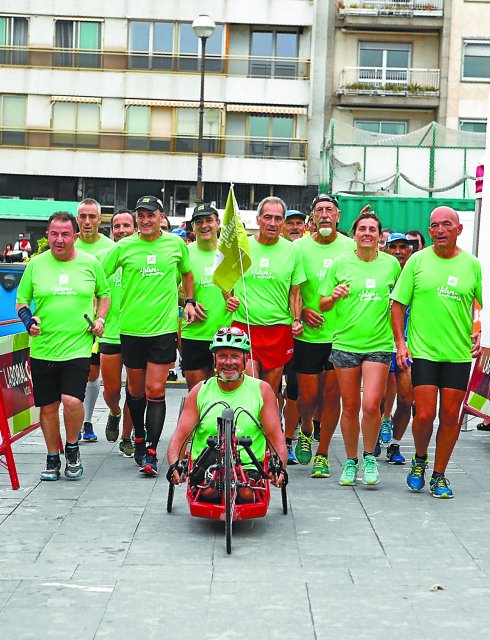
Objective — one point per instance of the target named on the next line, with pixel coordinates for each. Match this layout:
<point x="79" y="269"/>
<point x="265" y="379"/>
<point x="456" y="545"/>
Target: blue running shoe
<point x="439" y="487"/>
<point x="150" y="463"/>
<point x="88" y="432"/>
<point x="393" y="454"/>
<point x="291" y="457"/>
<point x="139" y="451"/>
<point x="386" y="430"/>
<point x="416" y="476"/>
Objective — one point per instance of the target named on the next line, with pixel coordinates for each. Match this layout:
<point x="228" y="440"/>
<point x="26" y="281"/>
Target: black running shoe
<point x="139" y="451"/>
<point x="73" y="469"/>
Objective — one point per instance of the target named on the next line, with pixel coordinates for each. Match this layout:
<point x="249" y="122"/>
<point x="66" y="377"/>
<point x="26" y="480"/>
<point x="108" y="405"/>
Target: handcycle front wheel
<point x="227" y="480"/>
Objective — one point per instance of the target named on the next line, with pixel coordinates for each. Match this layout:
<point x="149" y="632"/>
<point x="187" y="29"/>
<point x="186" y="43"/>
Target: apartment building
<point x="391" y="59"/>
<point x="100" y="99"/>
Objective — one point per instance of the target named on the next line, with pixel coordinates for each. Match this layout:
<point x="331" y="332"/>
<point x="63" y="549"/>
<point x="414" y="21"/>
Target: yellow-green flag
<point x="233" y="252"/>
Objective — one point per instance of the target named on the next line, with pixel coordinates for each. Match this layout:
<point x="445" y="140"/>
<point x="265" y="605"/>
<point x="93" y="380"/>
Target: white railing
<point x="393" y="7"/>
<point x="389" y="81"/>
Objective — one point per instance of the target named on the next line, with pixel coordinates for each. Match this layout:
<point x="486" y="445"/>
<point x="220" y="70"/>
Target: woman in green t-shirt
<point x="358" y="286"/>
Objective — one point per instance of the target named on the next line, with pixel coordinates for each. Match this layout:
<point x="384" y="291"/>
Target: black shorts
<point x="138" y="351"/>
<point x="445" y="375"/>
<point x="312" y="357"/>
<point x="51" y="380"/>
<point x="95" y="359"/>
<point x="109" y="348"/>
<point x="211" y="457"/>
<point x="196" y="354"/>
<point x="291" y="380"/>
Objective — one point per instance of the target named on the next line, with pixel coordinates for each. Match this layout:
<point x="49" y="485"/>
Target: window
<point x="12" y="119"/>
<point x="151" y="129"/>
<point x="13" y="34"/>
<point x="476" y="60"/>
<point x="473" y="126"/>
<point x="391" y="127"/>
<point x="172" y="46"/>
<point x="75" y="124"/>
<point x="151" y="45"/>
<point x="273" y="135"/>
<point x="382" y="63"/>
<point x="274" y="54"/>
<point x="82" y="40"/>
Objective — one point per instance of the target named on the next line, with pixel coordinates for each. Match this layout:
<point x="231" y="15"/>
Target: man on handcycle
<point x="204" y="404"/>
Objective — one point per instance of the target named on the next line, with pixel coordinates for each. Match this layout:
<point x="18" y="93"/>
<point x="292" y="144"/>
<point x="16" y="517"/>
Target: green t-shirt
<point x="249" y="397"/>
<point x="362" y="322"/>
<point x="274" y="269"/>
<point x="208" y="294"/>
<point x="97" y="249"/>
<point x="440" y="293"/>
<point x="111" y="329"/>
<point x="62" y="292"/>
<point x="149" y="299"/>
<point x="317" y="258"/>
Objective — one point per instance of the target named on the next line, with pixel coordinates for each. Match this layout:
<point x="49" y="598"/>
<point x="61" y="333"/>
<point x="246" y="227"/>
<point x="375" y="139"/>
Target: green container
<point x="398" y="213"/>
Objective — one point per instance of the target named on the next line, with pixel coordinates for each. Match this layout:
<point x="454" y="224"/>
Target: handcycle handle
<point x="246" y="443"/>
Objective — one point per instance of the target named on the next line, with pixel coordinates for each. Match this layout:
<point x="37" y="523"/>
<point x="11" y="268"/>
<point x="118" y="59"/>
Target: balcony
<point x="388" y="87"/>
<point x="394" y="15"/>
<point x="81" y="59"/>
<point x="229" y="146"/>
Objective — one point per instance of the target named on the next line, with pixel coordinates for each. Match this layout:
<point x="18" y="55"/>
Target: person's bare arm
<point x="188" y="286"/>
<point x="269" y="417"/>
<point x="327" y="302"/>
<point x="296" y="307"/>
<point x="397" y="319"/>
<point x="186" y="422"/>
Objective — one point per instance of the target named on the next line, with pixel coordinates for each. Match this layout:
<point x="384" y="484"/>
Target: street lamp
<point x="203" y="26"/>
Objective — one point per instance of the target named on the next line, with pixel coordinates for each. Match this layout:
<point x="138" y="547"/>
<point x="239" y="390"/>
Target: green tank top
<point x="248" y="396"/>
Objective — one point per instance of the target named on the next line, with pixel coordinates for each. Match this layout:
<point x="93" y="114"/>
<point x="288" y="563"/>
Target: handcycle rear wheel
<point x="170" y="496"/>
<point x="284" y="497"/>
<point x="228" y="480"/>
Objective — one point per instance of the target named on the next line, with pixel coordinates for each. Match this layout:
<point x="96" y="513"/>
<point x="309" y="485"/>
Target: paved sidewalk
<point x="100" y="557"/>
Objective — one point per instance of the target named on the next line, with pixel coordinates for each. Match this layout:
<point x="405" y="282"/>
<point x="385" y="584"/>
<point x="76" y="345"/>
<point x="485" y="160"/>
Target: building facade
<point x="100" y="99"/>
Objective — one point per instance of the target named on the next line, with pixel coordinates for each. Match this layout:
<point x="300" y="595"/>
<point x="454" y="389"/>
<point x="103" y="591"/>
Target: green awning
<point x="13" y="209"/>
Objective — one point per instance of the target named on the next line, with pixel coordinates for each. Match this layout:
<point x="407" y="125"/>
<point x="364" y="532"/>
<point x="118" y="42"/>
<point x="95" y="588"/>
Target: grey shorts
<point x="348" y="359"/>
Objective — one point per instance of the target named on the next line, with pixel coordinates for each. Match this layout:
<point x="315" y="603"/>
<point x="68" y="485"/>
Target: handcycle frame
<point x="227" y="475"/>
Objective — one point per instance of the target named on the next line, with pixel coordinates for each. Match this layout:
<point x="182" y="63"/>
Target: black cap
<point x="324" y="197"/>
<point x="204" y="209"/>
<point x="149" y="202"/>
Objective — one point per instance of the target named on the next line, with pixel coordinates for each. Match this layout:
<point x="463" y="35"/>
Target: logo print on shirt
<point x="208" y="271"/>
<point x="452" y="281"/>
<point x="264" y="262"/>
<point x="151" y="259"/>
<point x="370" y="283"/>
<point x="327" y="262"/>
<point x="64" y="278"/>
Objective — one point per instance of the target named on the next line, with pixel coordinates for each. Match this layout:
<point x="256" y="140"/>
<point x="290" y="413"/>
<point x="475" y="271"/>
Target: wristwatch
<point x="102" y="320"/>
<point x="190" y="301"/>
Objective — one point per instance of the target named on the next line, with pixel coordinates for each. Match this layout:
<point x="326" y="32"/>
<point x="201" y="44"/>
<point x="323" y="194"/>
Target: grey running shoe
<point x="112" y="428"/>
<point x="52" y="469"/>
<point x="73" y="469"/>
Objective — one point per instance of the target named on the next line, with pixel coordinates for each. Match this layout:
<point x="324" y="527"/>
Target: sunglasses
<point x="227" y="331"/>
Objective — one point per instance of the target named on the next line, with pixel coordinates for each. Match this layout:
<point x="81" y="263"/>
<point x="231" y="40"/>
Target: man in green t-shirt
<point x="440" y="284"/>
<point x="148" y="320"/>
<point x="212" y="309"/>
<point x="62" y="283"/>
<point x="90" y="240"/>
<point x="205" y="402"/>
<point x="318" y="387"/>
<point x="270" y="303"/>
<point x="122" y="226"/>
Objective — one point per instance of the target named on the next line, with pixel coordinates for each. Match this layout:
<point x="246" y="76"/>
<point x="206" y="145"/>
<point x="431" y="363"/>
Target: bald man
<point x="440" y="283"/>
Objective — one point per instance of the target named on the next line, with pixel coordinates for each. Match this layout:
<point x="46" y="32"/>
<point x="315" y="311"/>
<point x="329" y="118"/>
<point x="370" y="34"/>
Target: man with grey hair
<point x="91" y="241"/>
<point x="270" y="301"/>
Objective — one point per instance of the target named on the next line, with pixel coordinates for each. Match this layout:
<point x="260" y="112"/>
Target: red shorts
<point x="272" y="346"/>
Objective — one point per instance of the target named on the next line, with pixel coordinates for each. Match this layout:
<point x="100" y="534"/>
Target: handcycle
<point x="219" y="467"/>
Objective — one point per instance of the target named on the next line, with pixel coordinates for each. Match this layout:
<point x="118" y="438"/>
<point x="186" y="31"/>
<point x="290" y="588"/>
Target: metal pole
<point x="199" y="186"/>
